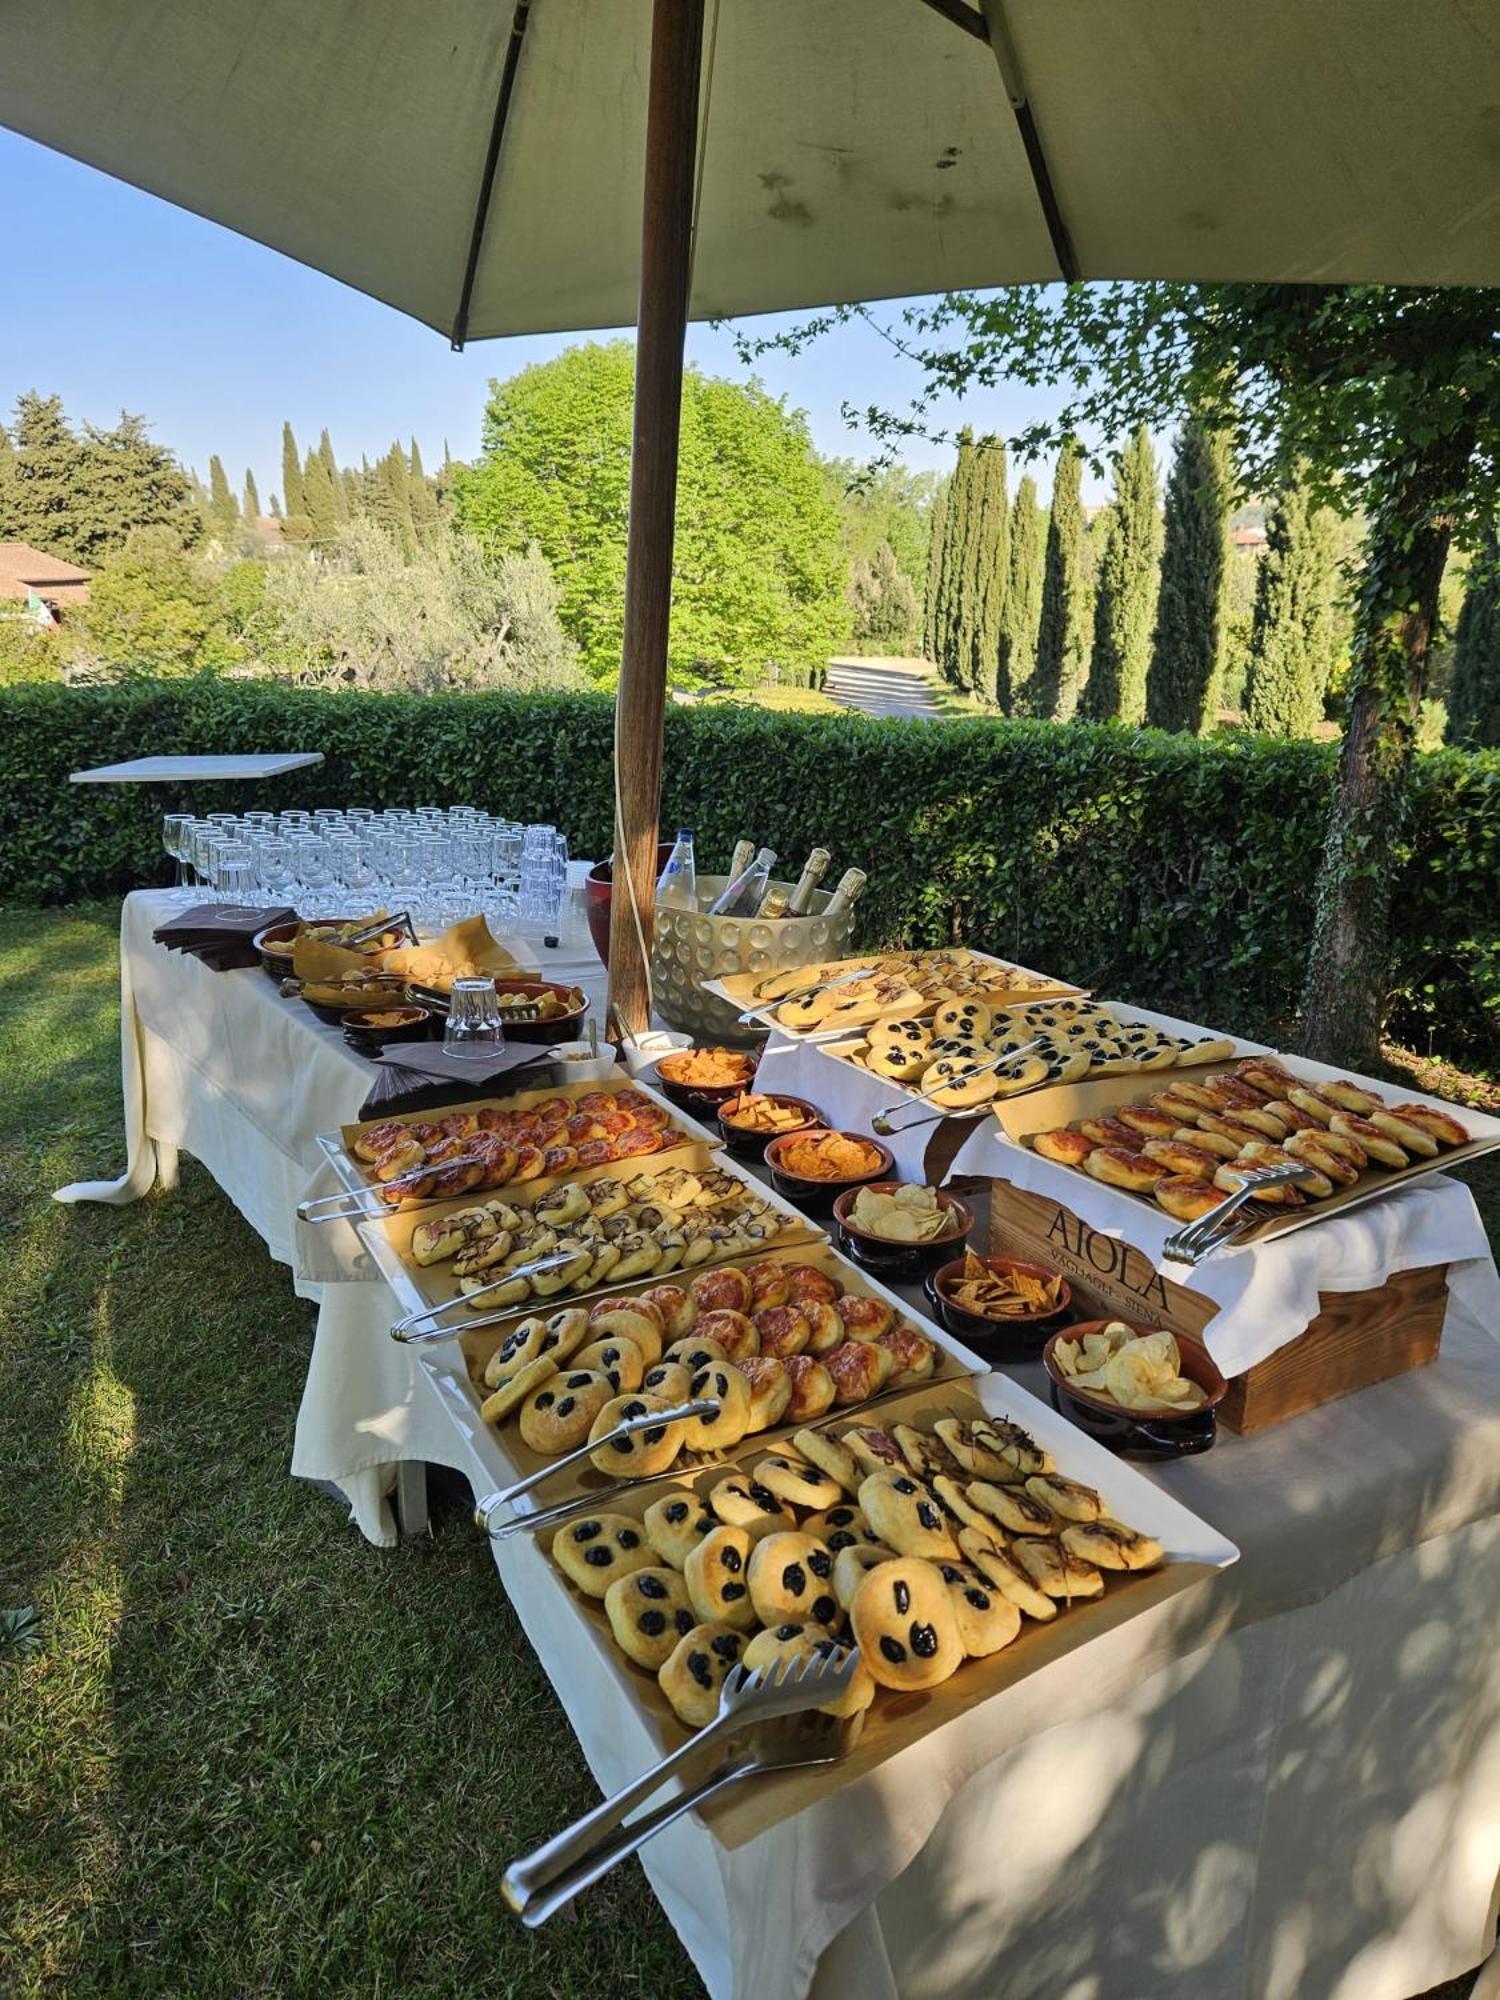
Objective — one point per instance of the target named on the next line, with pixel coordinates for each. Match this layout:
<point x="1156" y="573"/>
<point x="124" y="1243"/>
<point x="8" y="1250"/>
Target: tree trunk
<point x="1345" y="998"/>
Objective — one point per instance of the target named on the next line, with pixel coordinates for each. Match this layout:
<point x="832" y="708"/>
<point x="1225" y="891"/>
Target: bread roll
<point x="1447" y="1131"/>
<point x="1186" y="1197"/>
<point x="1069" y="1148"/>
<point x="1313" y="1150"/>
<point x="1117" y="1167"/>
<point x="1405" y="1133"/>
<point x="1149" y="1120"/>
<point x="1181" y="1156"/>
<point x="1369" y="1137"/>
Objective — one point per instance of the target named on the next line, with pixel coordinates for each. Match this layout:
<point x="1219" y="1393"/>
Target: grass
<point x="241" y="1752"/>
<point x="249" y="1755"/>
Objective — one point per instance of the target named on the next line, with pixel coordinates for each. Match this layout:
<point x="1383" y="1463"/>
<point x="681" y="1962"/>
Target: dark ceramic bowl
<point x="818" y="1197"/>
<point x="416" y="1026"/>
<point x="748" y="1145"/>
<point x="701" y="1099"/>
<point x="907" y="1263"/>
<point x="564" y="1028"/>
<point x="278" y="964"/>
<point x="1133" y="1434"/>
<point x="598" y="889"/>
<point x="1017" y="1337"/>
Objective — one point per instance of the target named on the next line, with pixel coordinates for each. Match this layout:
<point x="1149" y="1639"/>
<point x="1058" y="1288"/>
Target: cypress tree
<point x="291" y="474"/>
<point x="274" y="506"/>
<point x="250" y="505"/>
<point x="992" y="557"/>
<point x="969" y="607"/>
<point x="1021" y="608"/>
<point x="936" y="539"/>
<point x="426" y="519"/>
<point x="953" y="623"/>
<point x="1474" y="696"/>
<point x="1062" y="634"/>
<point x="317" y="499"/>
<point x="1182" y="683"/>
<point x="352" y="485"/>
<point x="223" y="514"/>
<point x="1292" y="636"/>
<point x="390" y="499"/>
<point x="1126" y="600"/>
<point x="335" y="481"/>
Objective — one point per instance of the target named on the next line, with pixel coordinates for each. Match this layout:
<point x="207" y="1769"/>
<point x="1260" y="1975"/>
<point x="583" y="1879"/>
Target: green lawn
<point x="251" y="1755"/>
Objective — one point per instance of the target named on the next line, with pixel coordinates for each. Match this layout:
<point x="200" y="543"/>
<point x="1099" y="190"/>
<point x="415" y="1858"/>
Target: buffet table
<point x="1283" y="1782"/>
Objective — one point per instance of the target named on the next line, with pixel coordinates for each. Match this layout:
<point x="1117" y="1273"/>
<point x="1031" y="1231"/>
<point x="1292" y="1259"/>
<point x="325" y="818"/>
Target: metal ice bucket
<point x="690" y="947"/>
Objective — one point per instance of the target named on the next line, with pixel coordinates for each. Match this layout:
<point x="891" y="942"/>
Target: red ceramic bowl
<point x="748" y="1145"/>
<point x="1139" y="1433"/>
<point x="885" y="1255"/>
<point x="700" y="1098"/>
<point x="1015" y="1337"/>
<point x="817" y="1197"/>
<point x="598" y="887"/>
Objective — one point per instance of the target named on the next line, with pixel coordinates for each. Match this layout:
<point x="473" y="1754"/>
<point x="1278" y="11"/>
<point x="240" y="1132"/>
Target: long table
<point x="1284" y="1783"/>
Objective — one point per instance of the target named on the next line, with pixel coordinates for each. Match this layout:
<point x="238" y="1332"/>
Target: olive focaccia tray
<point x="783" y="1337"/>
<point x="945" y="1616"/>
<point x="1178" y="1147"/>
<point x="643" y="1218"/>
<point x="900" y="985"/>
<point x="513" y="1140"/>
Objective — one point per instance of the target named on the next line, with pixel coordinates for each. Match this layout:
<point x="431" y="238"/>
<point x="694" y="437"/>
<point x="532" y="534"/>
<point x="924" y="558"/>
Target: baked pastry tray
<point x="579" y="1653"/>
<point x="1044" y="1109"/>
<point x="739" y="989"/>
<point x="456" y="1370"/>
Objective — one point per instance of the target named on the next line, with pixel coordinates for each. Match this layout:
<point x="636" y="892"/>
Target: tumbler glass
<point x="475" y="1031"/>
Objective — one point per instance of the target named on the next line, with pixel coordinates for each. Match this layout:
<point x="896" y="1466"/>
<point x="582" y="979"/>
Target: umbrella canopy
<point x="478" y="164"/>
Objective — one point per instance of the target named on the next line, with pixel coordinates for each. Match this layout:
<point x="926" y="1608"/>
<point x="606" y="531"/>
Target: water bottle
<point x="678" y="887"/>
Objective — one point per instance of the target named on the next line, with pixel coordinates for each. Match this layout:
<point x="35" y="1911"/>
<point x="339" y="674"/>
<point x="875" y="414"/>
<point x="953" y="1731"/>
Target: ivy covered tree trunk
<point x="1474" y="696"/>
<point x="1022" y="607"/>
<point x="1411" y="524"/>
<point x="1182" y="685"/>
<point x="1062" y="645"/>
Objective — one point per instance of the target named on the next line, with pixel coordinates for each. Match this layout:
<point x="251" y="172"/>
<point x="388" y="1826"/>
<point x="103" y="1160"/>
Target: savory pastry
<point x="642" y="1452"/>
<point x="799" y="1484"/>
<point x="675" y="1525"/>
<point x="1349" y="1097"/>
<point x="986" y="1620"/>
<point x="806" y="1281"/>
<point x="957" y="1083"/>
<point x="1231" y="1178"/>
<point x="1230" y="1125"/>
<point x="794" y="1641"/>
<point x="1110" y="1545"/>
<point x="1069" y="1498"/>
<point x="924" y="1453"/>
<point x="1016" y="1510"/>
<point x="903" y="1514"/>
<point x="740" y="1501"/>
<point x="863" y="1317"/>
<point x="629" y="1318"/>
<point x="1001" y="1569"/>
<point x="1406" y="1133"/>
<point x="559" y="1415"/>
<point x="619" y="1359"/>
<point x="1053" y="1570"/>
<point x="1260" y="1117"/>
<point x="1186" y="1196"/>
<point x="1182" y="1156"/>
<point x="828" y="1455"/>
<point x="1067" y="1147"/>
<point x="1438" y="1124"/>
<point x="900" y="1062"/>
<point x="694" y="1353"/>
<point x="791" y="1576"/>
<point x="1313" y="1150"/>
<point x="671" y="1380"/>
<point x="839" y="1526"/>
<point x="825" y="1328"/>
<point x="955" y="1501"/>
<point x="1306" y="1099"/>
<point x="674" y="1308"/>
<point x="694" y="1673"/>
<point x="648" y="1613"/>
<point x="1293" y="1119"/>
<point x="874" y="1450"/>
<point x="770" y="1390"/>
<point x="782" y="1330"/>
<point x="970" y="1018"/>
<point x="1147" y="1119"/>
<point x="1265" y="1074"/>
<point x="732" y="1331"/>
<point x="1314" y="1183"/>
<point x="1119" y="1168"/>
<point x="853" y="1564"/>
<point x="859" y="1369"/>
<point x="595" y="1551"/>
<point x="520" y="1347"/>
<point x="813" y="1388"/>
<point x="969" y="1446"/>
<point x="515" y="1388"/>
<point x="717" y="1577"/>
<point x="718" y="1430"/>
<point x="724" y="1289"/>
<point x="912" y="1353"/>
<point x="1106" y="1131"/>
<point x="904" y="1625"/>
<point x="563" y="1333"/>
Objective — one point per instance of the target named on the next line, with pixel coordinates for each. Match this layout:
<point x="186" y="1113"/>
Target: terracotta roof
<point x="22" y="564"/>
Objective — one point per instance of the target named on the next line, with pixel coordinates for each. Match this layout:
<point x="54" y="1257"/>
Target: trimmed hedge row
<point x="1154" y="868"/>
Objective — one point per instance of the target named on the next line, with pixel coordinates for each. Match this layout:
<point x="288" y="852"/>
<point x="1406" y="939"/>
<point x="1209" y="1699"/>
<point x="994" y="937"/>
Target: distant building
<point x="1250" y="538"/>
<point x="27" y="575"/>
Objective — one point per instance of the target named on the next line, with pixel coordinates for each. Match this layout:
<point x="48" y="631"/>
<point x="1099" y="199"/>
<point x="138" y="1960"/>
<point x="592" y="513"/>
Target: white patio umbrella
<point x="485" y="168"/>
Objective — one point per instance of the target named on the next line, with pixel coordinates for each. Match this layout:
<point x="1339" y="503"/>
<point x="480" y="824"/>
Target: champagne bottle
<point x="740" y="860"/>
<point x="813" y="871"/>
<point x="777" y="903"/>
<point x="678" y="887"/>
<point x="742" y="897"/>
<point x="850" y="885"/>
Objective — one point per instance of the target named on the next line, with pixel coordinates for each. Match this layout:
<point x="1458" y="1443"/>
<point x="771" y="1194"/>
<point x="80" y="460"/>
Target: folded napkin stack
<point x="414" y="1076"/>
<point x="221" y="935"/>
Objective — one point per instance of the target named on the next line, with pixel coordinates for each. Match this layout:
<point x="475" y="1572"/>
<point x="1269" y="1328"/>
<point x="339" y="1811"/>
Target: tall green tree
<point x="1021" y="608"/>
<point x="318" y="504"/>
<point x="1062" y="655"/>
<point x="80" y="493"/>
<point x="758" y="571"/>
<point x="955" y="613"/>
<point x="885" y="608"/>
<point x="1187" y="648"/>
<point x="1474" y="694"/>
<point x="1294" y="634"/>
<point x="427" y="521"/>
<point x="291" y="474"/>
<point x="391" y="500"/>
<point x="335" y="478"/>
<point x="250" y="501"/>
<point x="223" y="514"/>
<point x="992" y="559"/>
<point x="1125" y="599"/>
<point x="936" y="555"/>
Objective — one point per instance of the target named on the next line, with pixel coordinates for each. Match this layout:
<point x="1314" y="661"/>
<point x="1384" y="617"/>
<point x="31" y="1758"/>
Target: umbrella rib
<point x="999" y="38"/>
<point x="962" y="16"/>
<point x="491" y="162"/>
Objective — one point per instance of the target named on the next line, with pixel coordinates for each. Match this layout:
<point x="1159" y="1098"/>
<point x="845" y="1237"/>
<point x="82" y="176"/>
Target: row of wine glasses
<point x="440" y="865"/>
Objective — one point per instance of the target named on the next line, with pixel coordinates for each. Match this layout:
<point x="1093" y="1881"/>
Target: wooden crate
<point x="1357" y="1337"/>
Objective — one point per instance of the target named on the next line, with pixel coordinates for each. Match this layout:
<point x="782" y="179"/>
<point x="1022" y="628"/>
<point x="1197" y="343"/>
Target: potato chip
<point x="910" y="1213"/>
<point x="1139" y="1372"/>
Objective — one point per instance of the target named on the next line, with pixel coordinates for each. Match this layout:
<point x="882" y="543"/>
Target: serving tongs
<point x="484" y="1510"/>
<point x="770" y="1721"/>
<point x="412" y="1330"/>
<point x="881" y="1122"/>
<point x="802" y="993"/>
<point x="400" y="923"/>
<point x="1218" y="1225"/>
<point x="357" y="1208"/>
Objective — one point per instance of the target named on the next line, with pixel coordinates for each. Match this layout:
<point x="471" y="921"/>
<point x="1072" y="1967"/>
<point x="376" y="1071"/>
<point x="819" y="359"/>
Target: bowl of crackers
<point x="701" y="1079"/>
<point x="1138" y="1390"/>
<point x="1002" y="1307"/>
<point x="749" y="1118"/>
<point x="814" y="1167"/>
<point x="900" y="1229"/>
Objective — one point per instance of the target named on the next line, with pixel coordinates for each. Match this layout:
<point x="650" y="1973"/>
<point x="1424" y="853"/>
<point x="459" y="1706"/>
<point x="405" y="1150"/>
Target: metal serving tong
<point x="355" y="1205"/>
<point x="803" y="993"/>
<point x="772" y="1720"/>
<point x="411" y="1329"/>
<point x="1212" y="1230"/>
<point x="881" y="1122"/>
<point x="701" y="1406"/>
<point x="399" y="923"/>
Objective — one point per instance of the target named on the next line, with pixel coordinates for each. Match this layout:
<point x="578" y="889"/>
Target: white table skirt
<point x="1284" y="1784"/>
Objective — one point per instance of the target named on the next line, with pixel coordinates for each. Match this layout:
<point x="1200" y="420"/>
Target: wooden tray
<point x="1045" y="1109"/>
<point x="1194" y="1552"/>
<point x="501" y="1449"/>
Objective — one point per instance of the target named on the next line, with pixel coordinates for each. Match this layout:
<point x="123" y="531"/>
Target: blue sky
<point x="120" y="301"/>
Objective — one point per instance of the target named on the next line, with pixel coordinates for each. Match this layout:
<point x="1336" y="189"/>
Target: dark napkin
<point x="221" y="935"/>
<point x="414" y="1076"/>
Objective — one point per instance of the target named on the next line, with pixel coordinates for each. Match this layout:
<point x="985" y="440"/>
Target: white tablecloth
<point x="1284" y="1785"/>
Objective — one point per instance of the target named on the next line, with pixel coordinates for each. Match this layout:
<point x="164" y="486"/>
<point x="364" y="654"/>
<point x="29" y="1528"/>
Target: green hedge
<point x="1155" y="868"/>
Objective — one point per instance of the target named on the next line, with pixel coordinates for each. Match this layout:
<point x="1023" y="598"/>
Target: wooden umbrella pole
<point x="666" y="251"/>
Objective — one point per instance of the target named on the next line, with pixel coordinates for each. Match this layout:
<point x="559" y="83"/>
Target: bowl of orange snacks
<point x="701" y="1079"/>
<point x="1002" y="1307"/>
<point x="749" y="1118"/>
<point x="813" y="1168"/>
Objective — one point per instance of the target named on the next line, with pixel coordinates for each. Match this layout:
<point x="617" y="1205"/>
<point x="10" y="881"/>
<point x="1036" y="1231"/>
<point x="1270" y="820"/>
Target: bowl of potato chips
<point x="1137" y="1389"/>
<point x="812" y="1167"/>
<point x="900" y="1229"/>
<point x="1002" y="1307"/>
